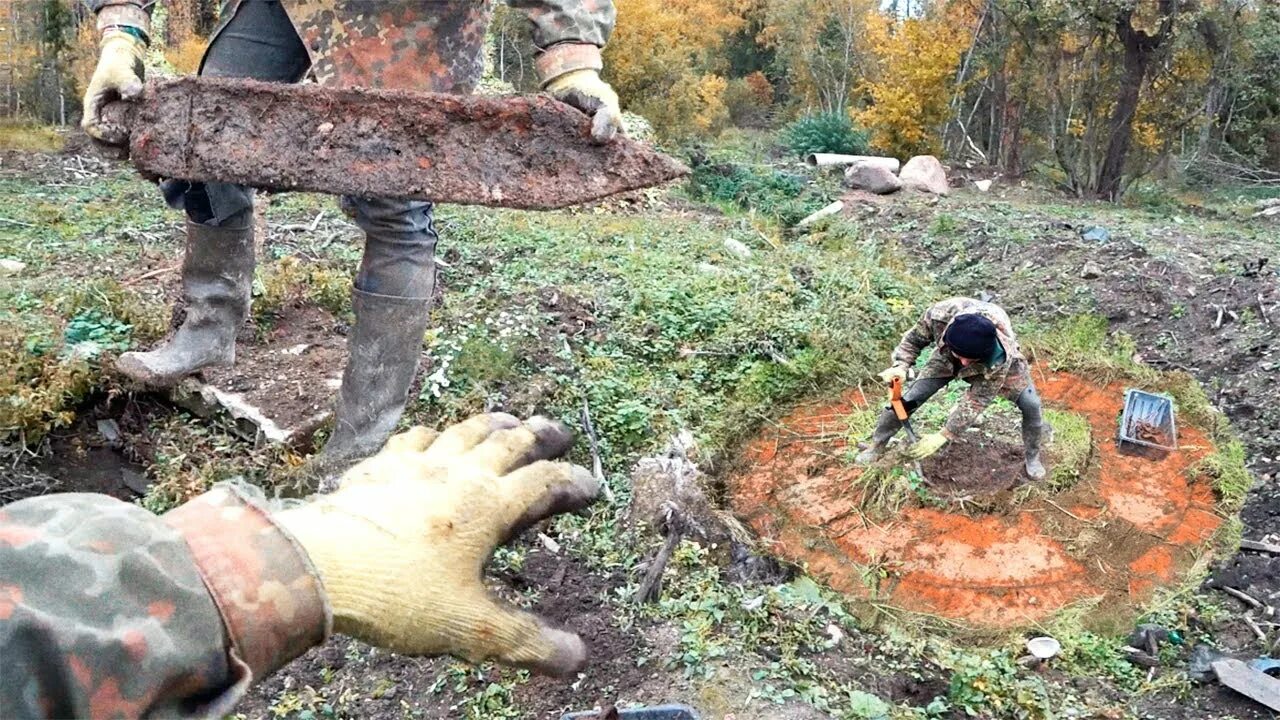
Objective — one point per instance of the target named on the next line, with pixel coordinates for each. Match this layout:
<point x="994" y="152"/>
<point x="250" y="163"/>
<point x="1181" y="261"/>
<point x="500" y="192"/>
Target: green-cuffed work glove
<point x="897" y="371"/>
<point x="118" y="75"/>
<point x="585" y="90"/>
<point x="927" y="445"/>
<point x="401" y="545"/>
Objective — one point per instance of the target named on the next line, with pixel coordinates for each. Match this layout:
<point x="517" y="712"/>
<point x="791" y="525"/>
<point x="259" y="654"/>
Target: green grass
<point x="16" y="134"/>
<point x="1070" y="448"/>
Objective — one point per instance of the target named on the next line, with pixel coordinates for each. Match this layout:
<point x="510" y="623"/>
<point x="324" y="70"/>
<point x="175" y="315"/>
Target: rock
<point x="737" y="249"/>
<point x="982" y="185"/>
<point x="135" y="481"/>
<point x="9" y="266"/>
<point x="110" y="431"/>
<point x="1200" y="663"/>
<point x="872" y="178"/>
<point x="1096" y="233"/>
<point x="926" y="174"/>
<point x="1091" y="270"/>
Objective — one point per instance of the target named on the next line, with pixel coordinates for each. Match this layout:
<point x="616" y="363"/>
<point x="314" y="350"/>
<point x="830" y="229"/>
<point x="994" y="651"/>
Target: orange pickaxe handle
<point x="895" y="400"/>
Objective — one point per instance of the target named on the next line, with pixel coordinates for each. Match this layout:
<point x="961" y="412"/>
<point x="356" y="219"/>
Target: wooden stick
<point x="1260" y="546"/>
<point x="1243" y="597"/>
<point x="17" y="222"/>
<point x="597" y="467"/>
<point x="149" y="275"/>
<point x="1248" y="620"/>
<point x="1064" y="510"/>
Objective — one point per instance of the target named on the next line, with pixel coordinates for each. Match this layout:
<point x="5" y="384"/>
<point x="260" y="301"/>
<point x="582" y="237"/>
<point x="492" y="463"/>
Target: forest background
<point x="1092" y="95"/>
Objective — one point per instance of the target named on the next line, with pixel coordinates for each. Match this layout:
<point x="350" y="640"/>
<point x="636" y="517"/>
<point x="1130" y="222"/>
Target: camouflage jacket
<point x="430" y="45"/>
<point x="1008" y="378"/>
<point x="108" y="611"/>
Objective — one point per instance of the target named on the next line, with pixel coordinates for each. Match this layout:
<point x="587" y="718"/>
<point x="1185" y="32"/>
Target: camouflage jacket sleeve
<point x="567" y="33"/>
<point x="109" y="611"/>
<point x="923" y="334"/>
<point x="122" y="12"/>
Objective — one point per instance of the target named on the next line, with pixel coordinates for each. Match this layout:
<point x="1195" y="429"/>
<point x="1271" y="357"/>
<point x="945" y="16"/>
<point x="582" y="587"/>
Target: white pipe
<point x="830" y="159"/>
<point x="831" y="209"/>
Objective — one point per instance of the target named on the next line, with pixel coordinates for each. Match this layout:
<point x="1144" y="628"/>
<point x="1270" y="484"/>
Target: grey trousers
<point x="924" y="388"/>
<point x="260" y="43"/>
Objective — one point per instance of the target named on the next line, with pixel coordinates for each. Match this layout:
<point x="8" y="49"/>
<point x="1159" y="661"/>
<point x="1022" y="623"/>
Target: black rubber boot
<point x="383" y="352"/>
<point x="1031" y="435"/>
<point x="217" y="279"/>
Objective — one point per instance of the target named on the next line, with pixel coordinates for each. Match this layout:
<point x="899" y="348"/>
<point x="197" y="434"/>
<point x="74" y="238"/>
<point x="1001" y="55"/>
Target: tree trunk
<point x="1139" y="49"/>
<point x="1121" y="123"/>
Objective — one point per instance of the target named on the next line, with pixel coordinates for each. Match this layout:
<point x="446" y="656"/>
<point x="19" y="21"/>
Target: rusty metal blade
<point x="524" y="151"/>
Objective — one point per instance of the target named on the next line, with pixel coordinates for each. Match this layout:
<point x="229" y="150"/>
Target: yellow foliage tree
<point x="823" y="46"/>
<point x="665" y="63"/>
<point x="914" y="78"/>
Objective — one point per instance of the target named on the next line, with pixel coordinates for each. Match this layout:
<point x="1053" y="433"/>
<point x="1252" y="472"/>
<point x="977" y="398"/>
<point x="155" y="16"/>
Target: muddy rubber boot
<point x="870" y="454"/>
<point x="383" y="352"/>
<point x="1031" y="451"/>
<point x="217" y="279"/>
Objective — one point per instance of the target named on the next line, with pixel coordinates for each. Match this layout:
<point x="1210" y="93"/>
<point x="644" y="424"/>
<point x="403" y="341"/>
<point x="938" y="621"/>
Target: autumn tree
<point x="822" y="44"/>
<point x="912" y="78"/>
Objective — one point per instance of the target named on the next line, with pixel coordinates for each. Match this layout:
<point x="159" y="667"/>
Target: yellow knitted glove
<point x="585" y="90"/>
<point x="927" y="445"/>
<point x="118" y="75"/>
<point x="401" y="545"/>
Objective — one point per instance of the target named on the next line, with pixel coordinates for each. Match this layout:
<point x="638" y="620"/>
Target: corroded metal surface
<point x="527" y="151"/>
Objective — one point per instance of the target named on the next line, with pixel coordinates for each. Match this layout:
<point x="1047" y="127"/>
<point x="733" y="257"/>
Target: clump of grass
<point x="289" y="281"/>
<point x="1231" y="479"/>
<point x="1072" y="445"/>
<point x="28" y="136"/>
<point x="52" y="351"/>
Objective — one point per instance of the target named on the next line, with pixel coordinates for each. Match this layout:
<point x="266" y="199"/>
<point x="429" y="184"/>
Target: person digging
<point x="405" y="45"/>
<point x="975" y="342"/>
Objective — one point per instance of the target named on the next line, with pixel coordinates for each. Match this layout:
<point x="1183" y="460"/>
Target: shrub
<point x="825" y="133"/>
<point x="783" y="197"/>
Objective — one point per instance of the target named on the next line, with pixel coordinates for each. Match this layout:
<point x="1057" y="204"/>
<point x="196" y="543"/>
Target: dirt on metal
<point x="1129" y="526"/>
<point x="526" y="151"/>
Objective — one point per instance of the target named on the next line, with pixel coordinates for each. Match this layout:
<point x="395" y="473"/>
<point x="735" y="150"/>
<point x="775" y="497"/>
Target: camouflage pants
<point x="1027" y="400"/>
<point x="260" y="43"/>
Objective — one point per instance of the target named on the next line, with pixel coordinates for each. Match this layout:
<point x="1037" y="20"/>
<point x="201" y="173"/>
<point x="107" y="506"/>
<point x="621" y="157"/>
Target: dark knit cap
<point x="971" y="336"/>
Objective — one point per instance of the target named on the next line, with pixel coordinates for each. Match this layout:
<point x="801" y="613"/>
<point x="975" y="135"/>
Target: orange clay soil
<point x="1130" y="525"/>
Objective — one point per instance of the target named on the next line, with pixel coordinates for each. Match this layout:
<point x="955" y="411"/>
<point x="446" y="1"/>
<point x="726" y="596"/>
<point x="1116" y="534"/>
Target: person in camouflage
<point x="108" y="611"/>
<point x="428" y="45"/>
<point x="975" y="342"/>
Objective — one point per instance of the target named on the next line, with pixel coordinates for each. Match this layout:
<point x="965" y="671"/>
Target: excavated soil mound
<point x="975" y="465"/>
<point x="1132" y="524"/>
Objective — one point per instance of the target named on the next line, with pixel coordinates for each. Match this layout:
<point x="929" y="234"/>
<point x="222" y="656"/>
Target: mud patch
<point x="285" y="379"/>
<point x="356" y="680"/>
<point x="1131" y="525"/>
<point x="975" y="464"/>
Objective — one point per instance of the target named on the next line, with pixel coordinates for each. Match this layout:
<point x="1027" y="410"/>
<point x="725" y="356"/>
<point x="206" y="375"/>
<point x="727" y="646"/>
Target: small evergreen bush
<point x="825" y="133"/>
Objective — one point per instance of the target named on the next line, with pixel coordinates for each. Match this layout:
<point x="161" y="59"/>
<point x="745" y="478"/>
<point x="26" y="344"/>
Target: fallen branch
<point x="149" y="275"/>
<point x="1260" y="546"/>
<point x="597" y="467"/>
<point x="1243" y="597"/>
<point x="17" y="222"/>
<point x="1248" y="620"/>
<point x="650" y="588"/>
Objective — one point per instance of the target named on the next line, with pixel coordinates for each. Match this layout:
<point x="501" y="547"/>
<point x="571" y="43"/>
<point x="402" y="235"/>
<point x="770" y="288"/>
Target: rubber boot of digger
<point x="392" y="302"/>
<point x="217" y="279"/>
